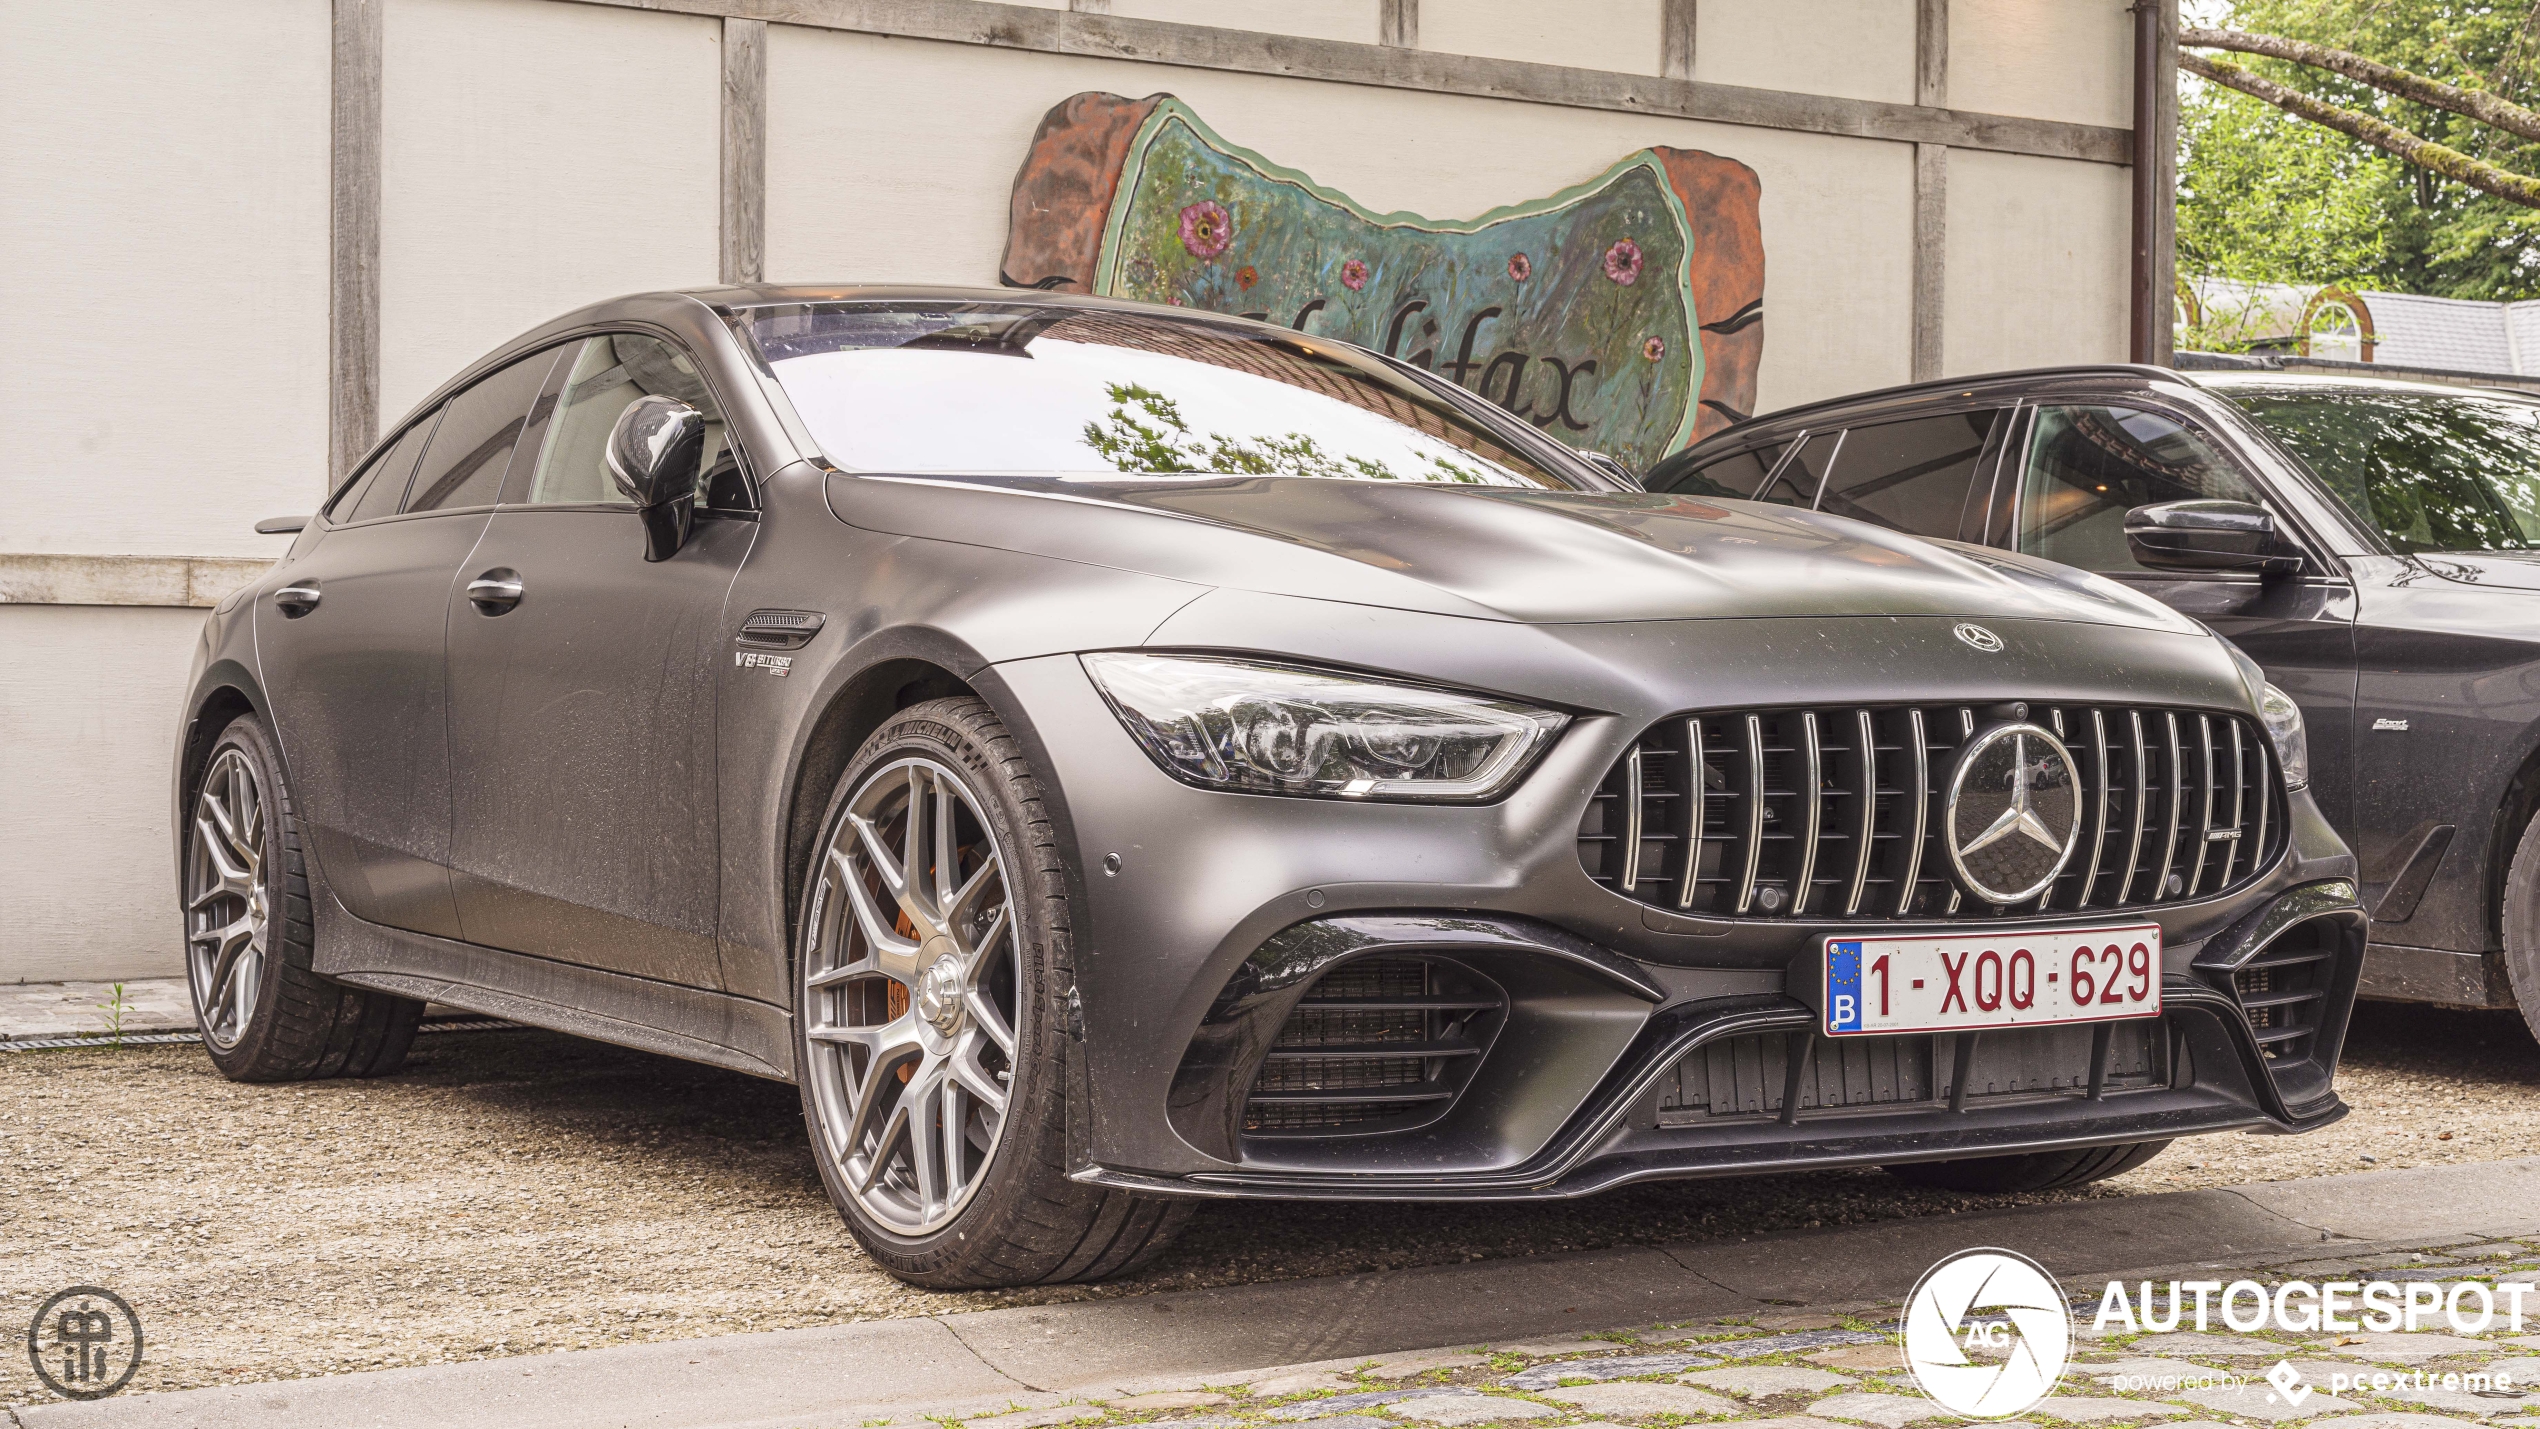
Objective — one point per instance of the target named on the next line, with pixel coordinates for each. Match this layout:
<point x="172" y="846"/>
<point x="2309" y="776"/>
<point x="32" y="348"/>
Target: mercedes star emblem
<point x="1979" y="637"/>
<point x="2014" y="812"/>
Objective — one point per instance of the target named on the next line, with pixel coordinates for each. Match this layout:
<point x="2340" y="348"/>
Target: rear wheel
<point x="2032" y="1171"/>
<point x="933" y="959"/>
<point x="2522" y="926"/>
<point x="249" y="938"/>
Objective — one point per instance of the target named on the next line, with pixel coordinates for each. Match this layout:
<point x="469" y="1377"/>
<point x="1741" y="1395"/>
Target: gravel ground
<point x="515" y="1192"/>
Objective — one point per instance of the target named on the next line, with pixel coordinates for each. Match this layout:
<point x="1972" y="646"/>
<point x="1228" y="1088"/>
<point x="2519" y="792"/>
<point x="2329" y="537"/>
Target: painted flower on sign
<point x="1353" y="275"/>
<point x="1622" y="261"/>
<point x="1520" y="267"/>
<point x="1246" y="276"/>
<point x="1654" y="349"/>
<point x="1207" y="228"/>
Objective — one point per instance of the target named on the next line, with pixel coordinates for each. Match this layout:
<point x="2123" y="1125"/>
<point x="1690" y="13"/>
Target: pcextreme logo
<point x="2009" y="1312"/>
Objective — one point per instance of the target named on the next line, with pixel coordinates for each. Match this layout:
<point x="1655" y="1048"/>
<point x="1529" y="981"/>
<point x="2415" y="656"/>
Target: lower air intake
<point x="1381" y="1044"/>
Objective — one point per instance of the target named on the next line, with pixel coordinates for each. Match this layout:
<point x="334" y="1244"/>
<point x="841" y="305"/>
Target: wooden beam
<point x="2165" y="182"/>
<point x="1398" y="23"/>
<point x="352" y="390"/>
<point x="1931" y="195"/>
<point x="744" y="202"/>
<point x="1675" y="38"/>
<point x="1061" y="32"/>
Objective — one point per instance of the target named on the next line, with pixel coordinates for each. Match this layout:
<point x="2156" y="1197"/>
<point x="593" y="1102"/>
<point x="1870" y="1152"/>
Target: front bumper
<point x="1604" y="999"/>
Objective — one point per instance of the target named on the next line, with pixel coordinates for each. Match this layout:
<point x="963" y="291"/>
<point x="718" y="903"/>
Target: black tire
<point x="2033" y="1171"/>
<point x="2521" y="920"/>
<point x="1023" y="1221"/>
<point x="293" y="1024"/>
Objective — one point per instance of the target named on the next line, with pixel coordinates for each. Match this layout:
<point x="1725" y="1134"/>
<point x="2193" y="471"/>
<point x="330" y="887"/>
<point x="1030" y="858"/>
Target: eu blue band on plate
<point x="1843" y="987"/>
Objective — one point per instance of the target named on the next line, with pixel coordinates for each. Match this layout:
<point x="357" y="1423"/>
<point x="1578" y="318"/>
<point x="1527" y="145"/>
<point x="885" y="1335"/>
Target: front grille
<point x="2282" y="992"/>
<point x="1749" y="1076"/>
<point x="1836" y="813"/>
<point x="1380" y="1044"/>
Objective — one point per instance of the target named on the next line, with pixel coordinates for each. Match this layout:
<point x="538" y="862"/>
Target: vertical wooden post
<point x="744" y="202"/>
<point x="352" y="385"/>
<point x="1398" y="23"/>
<point x="2154" y="297"/>
<point x="1675" y="38"/>
<point x="1931" y="193"/>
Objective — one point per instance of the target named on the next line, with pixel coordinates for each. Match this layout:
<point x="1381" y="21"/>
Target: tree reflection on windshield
<point x="1154" y="440"/>
<point x="2432" y="471"/>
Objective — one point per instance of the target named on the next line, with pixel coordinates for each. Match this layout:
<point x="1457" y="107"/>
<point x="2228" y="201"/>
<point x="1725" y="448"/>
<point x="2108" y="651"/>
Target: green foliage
<point x="1146" y="434"/>
<point x="2269" y="198"/>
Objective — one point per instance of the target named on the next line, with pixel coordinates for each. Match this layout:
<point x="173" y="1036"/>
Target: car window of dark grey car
<point x="607" y="374"/>
<point x="471" y="449"/>
<point x="382" y="489"/>
<point x="2085" y="467"/>
<point x="1733" y="477"/>
<point x="2430" y="471"/>
<point x="1911" y="476"/>
<point x="1024" y="390"/>
<point x="1800" y="476"/>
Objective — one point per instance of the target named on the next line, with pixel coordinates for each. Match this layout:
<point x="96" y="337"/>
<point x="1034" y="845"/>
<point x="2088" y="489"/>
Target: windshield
<point x="986" y="389"/>
<point x="2432" y="471"/>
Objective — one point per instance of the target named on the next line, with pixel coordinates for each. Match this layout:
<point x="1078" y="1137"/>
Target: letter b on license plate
<point x="1961" y="981"/>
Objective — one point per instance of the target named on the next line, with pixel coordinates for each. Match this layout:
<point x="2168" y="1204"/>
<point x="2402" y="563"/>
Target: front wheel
<point x="2522" y="926"/>
<point x="2033" y="1171"/>
<point x="932" y="961"/>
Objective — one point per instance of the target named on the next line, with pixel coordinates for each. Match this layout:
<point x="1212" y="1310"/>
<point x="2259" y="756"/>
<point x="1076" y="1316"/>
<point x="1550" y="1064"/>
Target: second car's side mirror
<point x="653" y="454"/>
<point x="2209" y="536"/>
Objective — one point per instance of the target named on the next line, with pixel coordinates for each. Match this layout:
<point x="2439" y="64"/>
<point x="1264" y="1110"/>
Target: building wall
<point x="165" y="256"/>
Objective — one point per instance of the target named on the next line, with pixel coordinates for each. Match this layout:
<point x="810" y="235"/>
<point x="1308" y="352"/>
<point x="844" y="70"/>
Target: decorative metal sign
<point x="1622" y="315"/>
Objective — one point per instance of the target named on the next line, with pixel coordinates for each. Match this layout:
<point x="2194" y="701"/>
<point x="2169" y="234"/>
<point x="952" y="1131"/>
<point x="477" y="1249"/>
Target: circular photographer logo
<point x="1987" y="1333"/>
<point x="85" y="1343"/>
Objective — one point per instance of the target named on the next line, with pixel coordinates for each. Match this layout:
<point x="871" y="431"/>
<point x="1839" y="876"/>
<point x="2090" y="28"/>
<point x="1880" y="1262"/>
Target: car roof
<point x="2229" y="381"/>
<point x="1907" y="396"/>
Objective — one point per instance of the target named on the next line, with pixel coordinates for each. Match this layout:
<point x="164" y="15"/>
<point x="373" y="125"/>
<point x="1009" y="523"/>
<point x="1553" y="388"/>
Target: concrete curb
<point x="991" y="1360"/>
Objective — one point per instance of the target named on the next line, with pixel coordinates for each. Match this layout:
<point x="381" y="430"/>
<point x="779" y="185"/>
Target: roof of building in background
<point x="2461" y="335"/>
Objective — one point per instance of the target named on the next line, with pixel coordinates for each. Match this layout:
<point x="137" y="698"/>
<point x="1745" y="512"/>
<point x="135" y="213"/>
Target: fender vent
<point x="1380" y="1044"/>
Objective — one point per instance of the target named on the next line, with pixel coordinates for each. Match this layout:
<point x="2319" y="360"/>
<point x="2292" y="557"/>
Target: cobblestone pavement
<point x="517" y="1192"/>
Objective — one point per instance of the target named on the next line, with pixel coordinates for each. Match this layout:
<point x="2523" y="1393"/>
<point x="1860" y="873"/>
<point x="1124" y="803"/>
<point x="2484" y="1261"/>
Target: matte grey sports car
<point x="1108" y="756"/>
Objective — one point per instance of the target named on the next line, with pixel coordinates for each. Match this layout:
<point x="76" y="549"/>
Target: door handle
<point x="496" y="591"/>
<point x="297" y="599"/>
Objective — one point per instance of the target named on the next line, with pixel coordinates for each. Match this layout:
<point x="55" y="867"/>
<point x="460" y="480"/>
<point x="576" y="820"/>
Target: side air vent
<point x="1836" y="813"/>
<point x="2282" y="992"/>
<point x="1381" y="1044"/>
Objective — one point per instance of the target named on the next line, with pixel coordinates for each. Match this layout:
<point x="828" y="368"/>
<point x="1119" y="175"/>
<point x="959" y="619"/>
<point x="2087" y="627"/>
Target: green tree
<point x="2267" y="195"/>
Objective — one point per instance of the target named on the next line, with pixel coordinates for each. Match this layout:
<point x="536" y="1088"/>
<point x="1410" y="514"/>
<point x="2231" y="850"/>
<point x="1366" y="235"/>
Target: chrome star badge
<point x="2014" y="812"/>
<point x="1977" y="636"/>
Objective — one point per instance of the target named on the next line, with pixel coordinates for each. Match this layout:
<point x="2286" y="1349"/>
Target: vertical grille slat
<point x="1834" y="813"/>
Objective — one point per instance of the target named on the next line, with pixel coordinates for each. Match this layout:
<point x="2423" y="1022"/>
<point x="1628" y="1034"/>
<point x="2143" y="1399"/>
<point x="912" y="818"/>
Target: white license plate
<point x="1953" y="982"/>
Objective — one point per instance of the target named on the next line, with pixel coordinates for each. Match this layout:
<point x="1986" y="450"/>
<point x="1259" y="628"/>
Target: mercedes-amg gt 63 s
<point x="1109" y="756"/>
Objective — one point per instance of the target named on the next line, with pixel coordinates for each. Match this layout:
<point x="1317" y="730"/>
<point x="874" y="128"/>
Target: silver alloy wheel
<point x="228" y="899"/>
<point x="912" y="984"/>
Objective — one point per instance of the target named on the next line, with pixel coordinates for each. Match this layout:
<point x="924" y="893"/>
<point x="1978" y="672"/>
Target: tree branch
<point x="2476" y="104"/>
<point x="2432" y="157"/>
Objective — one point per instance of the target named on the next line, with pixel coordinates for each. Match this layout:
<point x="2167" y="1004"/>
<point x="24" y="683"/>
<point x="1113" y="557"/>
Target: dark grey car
<point x="1108" y="756"/>
<point x="2375" y="545"/>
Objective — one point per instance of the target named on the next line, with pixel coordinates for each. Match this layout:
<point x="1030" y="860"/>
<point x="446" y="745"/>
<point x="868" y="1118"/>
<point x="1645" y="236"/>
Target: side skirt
<point x="2396" y="973"/>
<point x="686" y="1022"/>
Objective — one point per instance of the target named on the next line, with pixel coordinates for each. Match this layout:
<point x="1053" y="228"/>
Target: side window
<point x="472" y="448"/>
<point x="607" y="374"/>
<point x="1733" y="477"/>
<point x="1799" y="478"/>
<point x="1910" y="476"/>
<point x="2086" y="467"/>
<point x="382" y="489"/>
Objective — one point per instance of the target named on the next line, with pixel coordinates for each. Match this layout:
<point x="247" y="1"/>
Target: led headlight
<point x="2284" y="726"/>
<point x="1280" y="729"/>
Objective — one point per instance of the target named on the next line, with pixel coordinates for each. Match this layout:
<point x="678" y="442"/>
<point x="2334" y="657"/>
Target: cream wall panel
<point x="872" y="176"/>
<point x="537" y="156"/>
<point x="1858" y="49"/>
<point x="2039" y="254"/>
<point x="1351" y="20"/>
<point x="1619" y="35"/>
<point x="165" y="162"/>
<point x="88" y="723"/>
<point x="2045" y="59"/>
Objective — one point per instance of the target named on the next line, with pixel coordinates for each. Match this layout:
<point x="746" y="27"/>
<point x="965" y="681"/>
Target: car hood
<point x="1492" y="553"/>
<point x="2514" y="570"/>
